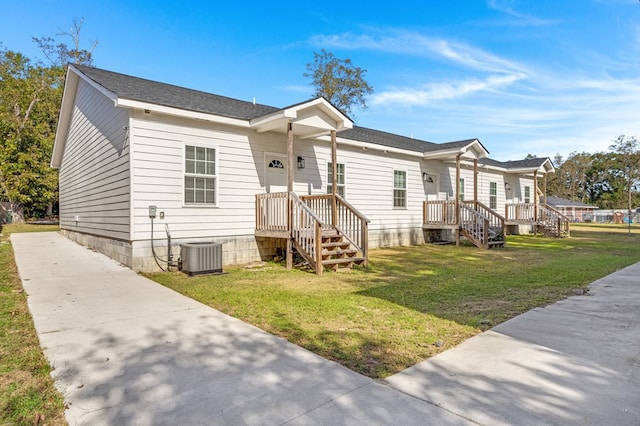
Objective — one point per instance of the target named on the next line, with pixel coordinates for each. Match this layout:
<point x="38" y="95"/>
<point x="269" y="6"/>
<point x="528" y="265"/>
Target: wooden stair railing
<point x="320" y="243"/>
<point x="346" y="219"/>
<point x="553" y="223"/>
<point x="481" y="225"/>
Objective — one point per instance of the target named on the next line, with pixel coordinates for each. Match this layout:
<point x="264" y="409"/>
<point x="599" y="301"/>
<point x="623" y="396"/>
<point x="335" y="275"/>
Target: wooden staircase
<point x="481" y="225"/>
<point x="327" y="232"/>
<point x="552" y="223"/>
<point x="338" y="252"/>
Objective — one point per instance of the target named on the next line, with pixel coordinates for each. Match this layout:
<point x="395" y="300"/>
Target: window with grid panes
<point x="399" y="189"/>
<point x="200" y="175"/>
<point x="340" y="179"/>
<point x="493" y="195"/>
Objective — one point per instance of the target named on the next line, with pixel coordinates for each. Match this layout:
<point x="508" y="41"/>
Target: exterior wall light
<point x="300" y="163"/>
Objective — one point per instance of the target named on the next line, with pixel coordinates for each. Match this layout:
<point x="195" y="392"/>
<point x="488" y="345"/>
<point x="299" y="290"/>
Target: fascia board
<point x="177" y="112"/>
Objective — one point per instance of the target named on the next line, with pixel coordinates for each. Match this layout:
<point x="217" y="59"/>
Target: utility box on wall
<point x="201" y="258"/>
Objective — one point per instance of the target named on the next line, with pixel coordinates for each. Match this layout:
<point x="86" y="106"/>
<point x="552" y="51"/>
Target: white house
<point x="260" y="179"/>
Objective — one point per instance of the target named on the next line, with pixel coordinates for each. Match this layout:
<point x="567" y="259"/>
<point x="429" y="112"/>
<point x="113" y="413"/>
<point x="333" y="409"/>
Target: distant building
<point x="574" y="210"/>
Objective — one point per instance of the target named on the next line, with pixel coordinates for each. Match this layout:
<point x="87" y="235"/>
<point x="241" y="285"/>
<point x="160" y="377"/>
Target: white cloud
<point x="521" y="19"/>
<point x="441" y="91"/>
<point x="416" y="44"/>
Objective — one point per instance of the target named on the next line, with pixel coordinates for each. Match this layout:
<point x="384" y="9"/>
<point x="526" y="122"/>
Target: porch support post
<point x="334" y="178"/>
<point x="475" y="182"/>
<point x="290" y="165"/>
<point x="458" y="199"/>
<point x="544" y="189"/>
<point x="536" y="196"/>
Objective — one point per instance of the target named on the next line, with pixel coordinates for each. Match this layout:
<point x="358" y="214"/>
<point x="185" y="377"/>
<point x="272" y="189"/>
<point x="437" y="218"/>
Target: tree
<point x="338" y="81"/>
<point x="626" y="155"/>
<point x="30" y="96"/>
<point x="59" y="54"/>
<point x="570" y="180"/>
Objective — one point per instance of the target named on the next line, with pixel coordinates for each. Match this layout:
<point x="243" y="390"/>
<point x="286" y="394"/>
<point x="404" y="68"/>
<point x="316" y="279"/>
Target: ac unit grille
<point x="201" y="258"/>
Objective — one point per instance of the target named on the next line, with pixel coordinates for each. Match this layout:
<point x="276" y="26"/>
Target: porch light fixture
<point x="507" y="186"/>
<point x="427" y="177"/>
<point x="300" y="163"/>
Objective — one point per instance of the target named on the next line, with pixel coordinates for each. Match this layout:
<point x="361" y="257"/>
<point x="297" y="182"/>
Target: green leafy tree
<point x="626" y="165"/>
<point x="30" y="96"/>
<point x="338" y="81"/>
<point x="570" y="180"/>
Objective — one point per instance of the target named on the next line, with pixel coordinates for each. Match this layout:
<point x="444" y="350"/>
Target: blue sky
<point x="524" y="77"/>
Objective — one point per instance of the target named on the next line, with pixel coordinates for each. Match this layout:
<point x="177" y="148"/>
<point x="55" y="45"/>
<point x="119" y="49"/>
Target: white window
<point x="200" y="175"/>
<point x="493" y="195"/>
<point x="527" y="194"/>
<point x="399" y="189"/>
<point x="340" y="179"/>
<point x="461" y="187"/>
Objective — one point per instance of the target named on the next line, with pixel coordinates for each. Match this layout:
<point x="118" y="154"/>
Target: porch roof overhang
<point x="311" y="119"/>
<point x="526" y="167"/>
<point x="468" y="150"/>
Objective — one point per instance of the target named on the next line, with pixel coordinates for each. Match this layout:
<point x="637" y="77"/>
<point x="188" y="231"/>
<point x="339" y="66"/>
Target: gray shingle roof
<point x="562" y="202"/>
<point x="139" y="89"/>
<point x="528" y="163"/>
<point x="391" y="140"/>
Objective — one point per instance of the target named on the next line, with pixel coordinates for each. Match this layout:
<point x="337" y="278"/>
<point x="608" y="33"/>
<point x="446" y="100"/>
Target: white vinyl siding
<point x="94" y="172"/>
<point x="200" y="175"/>
<point x="399" y="189"/>
<point x="340" y="179"/>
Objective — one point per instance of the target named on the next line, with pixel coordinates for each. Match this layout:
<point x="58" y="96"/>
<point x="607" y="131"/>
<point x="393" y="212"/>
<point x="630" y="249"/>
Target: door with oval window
<point x="276" y="173"/>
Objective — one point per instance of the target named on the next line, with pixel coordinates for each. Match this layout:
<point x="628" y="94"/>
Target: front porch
<point x="542" y="217"/>
<point x="325" y="230"/>
<point x="470" y="219"/>
<point x="484" y="227"/>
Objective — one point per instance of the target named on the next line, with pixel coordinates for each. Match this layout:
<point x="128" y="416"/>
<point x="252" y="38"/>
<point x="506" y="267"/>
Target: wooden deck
<point x="326" y="230"/>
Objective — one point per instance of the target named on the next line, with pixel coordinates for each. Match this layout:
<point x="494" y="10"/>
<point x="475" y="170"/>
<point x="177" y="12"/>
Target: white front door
<point x="276" y="173"/>
<point x="432" y="187"/>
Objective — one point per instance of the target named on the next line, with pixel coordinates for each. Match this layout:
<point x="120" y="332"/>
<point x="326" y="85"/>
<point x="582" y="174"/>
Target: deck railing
<point x="520" y="212"/>
<point x="554" y="222"/>
<point x="546" y="217"/>
<point x="496" y="222"/>
<point x="308" y="214"/>
<point x="272" y="212"/>
<point x="440" y="212"/>
<point x="352" y="224"/>
<point x="306" y="232"/>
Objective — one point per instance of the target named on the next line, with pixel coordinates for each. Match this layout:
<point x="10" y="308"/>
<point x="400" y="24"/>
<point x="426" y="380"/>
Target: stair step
<point x="340" y="244"/>
<point x="343" y="261"/>
<point x="348" y="252"/>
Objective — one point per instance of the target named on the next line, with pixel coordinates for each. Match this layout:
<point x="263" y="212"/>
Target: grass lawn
<point x="27" y="393"/>
<point x="412" y="302"/>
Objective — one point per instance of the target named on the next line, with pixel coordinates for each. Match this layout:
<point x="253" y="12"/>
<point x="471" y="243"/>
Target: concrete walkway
<point x="128" y="351"/>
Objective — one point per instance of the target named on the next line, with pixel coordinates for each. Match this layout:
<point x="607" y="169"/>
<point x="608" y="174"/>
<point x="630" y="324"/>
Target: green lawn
<point x="412" y="302"/>
<point x="27" y="393"/>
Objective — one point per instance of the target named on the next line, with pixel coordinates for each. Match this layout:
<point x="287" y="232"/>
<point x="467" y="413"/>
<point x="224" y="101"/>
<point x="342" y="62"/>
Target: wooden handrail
<point x="351" y="224"/>
<point x="306" y="232"/>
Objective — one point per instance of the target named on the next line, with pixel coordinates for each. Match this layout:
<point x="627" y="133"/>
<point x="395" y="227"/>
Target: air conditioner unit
<point x="201" y="258"/>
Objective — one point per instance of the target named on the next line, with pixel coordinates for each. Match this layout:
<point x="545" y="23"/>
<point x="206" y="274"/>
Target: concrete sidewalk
<point x="129" y="351"/>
